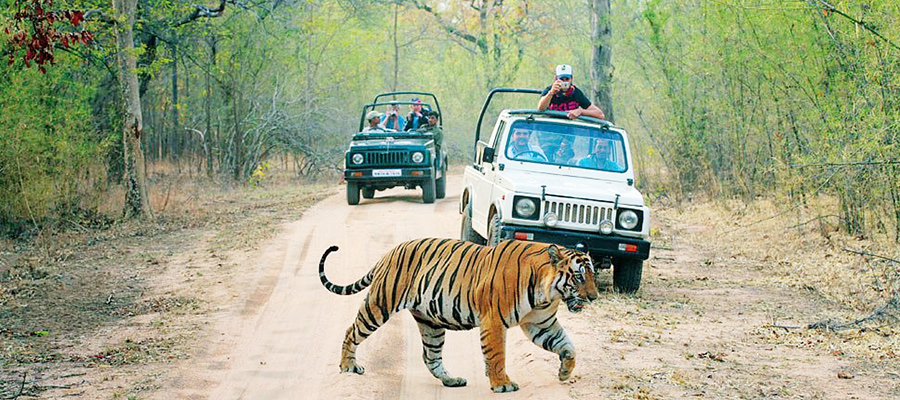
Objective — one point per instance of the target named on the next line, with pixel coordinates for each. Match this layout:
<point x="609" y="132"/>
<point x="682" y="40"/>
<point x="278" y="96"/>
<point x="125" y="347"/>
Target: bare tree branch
<point x="452" y="30"/>
<point x="202" y="11"/>
<point x="868" y="26"/>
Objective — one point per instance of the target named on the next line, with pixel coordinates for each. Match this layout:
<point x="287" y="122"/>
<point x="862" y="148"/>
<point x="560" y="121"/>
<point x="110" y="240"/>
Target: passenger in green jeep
<point x="435" y="130"/>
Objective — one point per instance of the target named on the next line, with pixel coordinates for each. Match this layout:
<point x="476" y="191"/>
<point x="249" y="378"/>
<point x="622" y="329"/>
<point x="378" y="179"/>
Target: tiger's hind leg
<point x="432" y="349"/>
<point x="493" y="346"/>
<point x="551" y="336"/>
<point x="370" y="317"/>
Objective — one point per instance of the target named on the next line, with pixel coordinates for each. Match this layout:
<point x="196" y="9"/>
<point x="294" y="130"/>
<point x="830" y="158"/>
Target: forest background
<point x="797" y="101"/>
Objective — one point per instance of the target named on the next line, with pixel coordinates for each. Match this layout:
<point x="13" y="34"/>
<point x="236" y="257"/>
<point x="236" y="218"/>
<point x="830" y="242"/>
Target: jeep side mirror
<point x="488" y="155"/>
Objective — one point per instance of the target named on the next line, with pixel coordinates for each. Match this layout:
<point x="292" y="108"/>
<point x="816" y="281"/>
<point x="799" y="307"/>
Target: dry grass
<point x="75" y="281"/>
<point x="807" y="254"/>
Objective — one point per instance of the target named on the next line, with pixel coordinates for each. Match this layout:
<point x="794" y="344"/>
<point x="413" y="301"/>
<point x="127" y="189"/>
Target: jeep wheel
<point x="352" y="193"/>
<point x="627" y="275"/>
<point x="467" y="234"/>
<point x="440" y="189"/>
<point x="368" y="193"/>
<point x="428" y="191"/>
<point x="494" y="230"/>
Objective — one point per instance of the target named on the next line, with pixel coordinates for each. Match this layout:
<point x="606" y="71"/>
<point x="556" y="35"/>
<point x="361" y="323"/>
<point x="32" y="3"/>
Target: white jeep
<point x="543" y="177"/>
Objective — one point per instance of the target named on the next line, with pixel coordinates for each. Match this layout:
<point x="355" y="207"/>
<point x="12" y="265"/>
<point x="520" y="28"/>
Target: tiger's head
<point x="574" y="277"/>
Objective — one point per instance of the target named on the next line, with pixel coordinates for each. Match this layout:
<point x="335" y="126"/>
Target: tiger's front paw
<point x="505" y="388"/>
<point x="566" y="364"/>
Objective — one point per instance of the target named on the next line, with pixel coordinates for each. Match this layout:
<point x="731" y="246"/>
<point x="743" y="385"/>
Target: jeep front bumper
<point x="597" y="245"/>
<point x="388" y="176"/>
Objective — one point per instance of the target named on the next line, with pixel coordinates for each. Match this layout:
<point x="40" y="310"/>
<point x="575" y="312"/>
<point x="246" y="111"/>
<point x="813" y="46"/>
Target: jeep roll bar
<point x="424" y="94"/>
<point x="549" y="113"/>
<point x="371" y="106"/>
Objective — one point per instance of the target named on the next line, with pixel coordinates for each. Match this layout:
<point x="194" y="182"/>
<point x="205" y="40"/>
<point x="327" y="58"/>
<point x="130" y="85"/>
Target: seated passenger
<point x="374" y="119"/>
<point x="392" y="119"/>
<point x="599" y="157"/>
<point x="563" y="153"/>
<point x="434" y="129"/>
<point x="520" y="147"/>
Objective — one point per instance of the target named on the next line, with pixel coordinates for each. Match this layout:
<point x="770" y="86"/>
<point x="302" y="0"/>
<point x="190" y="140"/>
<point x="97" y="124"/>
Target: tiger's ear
<point x="555" y="253"/>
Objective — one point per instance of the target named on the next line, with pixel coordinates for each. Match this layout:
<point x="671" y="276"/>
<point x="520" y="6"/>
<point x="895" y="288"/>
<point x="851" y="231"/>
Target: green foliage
<point x="48" y="149"/>
<point x="722" y="98"/>
<point x="784" y="96"/>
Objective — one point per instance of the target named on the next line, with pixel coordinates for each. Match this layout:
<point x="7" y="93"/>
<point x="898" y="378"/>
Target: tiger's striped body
<point x="455" y="285"/>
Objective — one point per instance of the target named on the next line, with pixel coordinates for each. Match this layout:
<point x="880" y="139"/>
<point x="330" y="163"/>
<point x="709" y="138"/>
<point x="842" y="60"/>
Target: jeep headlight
<point x="551" y="219"/>
<point x="628" y="219"/>
<point x="525" y="208"/>
<point x="357" y="158"/>
<point x="606" y="227"/>
<point x="418" y="157"/>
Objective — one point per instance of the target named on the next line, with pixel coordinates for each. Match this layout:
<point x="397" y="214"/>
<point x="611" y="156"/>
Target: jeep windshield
<point x="578" y="146"/>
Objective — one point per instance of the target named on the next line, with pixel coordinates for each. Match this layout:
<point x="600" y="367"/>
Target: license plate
<point x="386" y="172"/>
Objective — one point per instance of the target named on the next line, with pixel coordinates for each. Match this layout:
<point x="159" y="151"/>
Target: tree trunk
<point x="175" y="141"/>
<point x="396" y="49"/>
<point x="136" y="201"/>
<point x="602" y="52"/>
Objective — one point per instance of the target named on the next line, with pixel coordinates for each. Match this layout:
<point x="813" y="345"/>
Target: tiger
<point x="456" y="285"/>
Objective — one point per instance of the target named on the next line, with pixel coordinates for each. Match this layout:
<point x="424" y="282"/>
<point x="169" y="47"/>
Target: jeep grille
<point x="386" y="158"/>
<point x="575" y="215"/>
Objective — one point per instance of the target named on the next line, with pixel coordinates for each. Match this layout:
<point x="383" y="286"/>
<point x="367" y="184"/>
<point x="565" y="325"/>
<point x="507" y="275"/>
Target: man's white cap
<point x="563" y="70"/>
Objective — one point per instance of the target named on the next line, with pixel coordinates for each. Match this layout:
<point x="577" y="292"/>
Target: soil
<point x="228" y="305"/>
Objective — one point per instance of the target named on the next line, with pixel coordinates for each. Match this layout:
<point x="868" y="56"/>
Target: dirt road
<point x="699" y="328"/>
<point x="284" y="341"/>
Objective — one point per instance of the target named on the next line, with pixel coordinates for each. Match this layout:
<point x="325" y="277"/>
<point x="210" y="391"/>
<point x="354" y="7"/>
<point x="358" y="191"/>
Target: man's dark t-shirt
<point x="567" y="101"/>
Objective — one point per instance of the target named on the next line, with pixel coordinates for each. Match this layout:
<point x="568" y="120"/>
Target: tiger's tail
<point x="356" y="287"/>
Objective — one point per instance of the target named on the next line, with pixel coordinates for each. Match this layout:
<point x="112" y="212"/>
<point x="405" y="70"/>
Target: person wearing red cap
<point x="416" y="118"/>
<point x="562" y="95"/>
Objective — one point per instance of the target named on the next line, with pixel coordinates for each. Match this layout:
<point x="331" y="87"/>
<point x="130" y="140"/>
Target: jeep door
<point x="484" y="179"/>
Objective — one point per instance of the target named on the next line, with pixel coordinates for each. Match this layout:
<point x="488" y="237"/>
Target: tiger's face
<point x="575" y="277"/>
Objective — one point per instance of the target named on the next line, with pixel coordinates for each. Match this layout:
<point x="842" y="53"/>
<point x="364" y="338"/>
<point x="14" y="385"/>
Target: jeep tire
<point x="495" y="228"/>
<point x="440" y="189"/>
<point x="428" y="191"/>
<point x="352" y="193"/>
<point x="627" y="275"/>
<point x="467" y="234"/>
<point x="368" y="193"/>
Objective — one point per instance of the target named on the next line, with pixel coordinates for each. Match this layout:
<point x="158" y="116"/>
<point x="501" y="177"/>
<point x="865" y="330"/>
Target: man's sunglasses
<point x="564" y="78"/>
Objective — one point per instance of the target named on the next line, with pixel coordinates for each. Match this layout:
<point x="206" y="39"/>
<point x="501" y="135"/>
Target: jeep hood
<point x="385" y="143"/>
<point x="573" y="186"/>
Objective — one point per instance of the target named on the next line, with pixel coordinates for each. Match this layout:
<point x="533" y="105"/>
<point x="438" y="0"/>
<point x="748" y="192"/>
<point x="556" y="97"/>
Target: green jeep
<point x="384" y="158"/>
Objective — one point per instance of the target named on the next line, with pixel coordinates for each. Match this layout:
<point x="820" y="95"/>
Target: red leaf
<point x="65" y="41"/>
<point x="28" y="55"/>
<point x="43" y="70"/>
<point x="77" y="17"/>
<point x="84" y="39"/>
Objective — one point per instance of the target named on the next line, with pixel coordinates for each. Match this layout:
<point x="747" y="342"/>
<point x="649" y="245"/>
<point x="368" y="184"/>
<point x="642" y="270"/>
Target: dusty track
<point x="697" y="329"/>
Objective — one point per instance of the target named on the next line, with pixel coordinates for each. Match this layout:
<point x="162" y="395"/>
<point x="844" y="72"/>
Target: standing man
<point x="416" y="118"/>
<point x="562" y="95"/>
